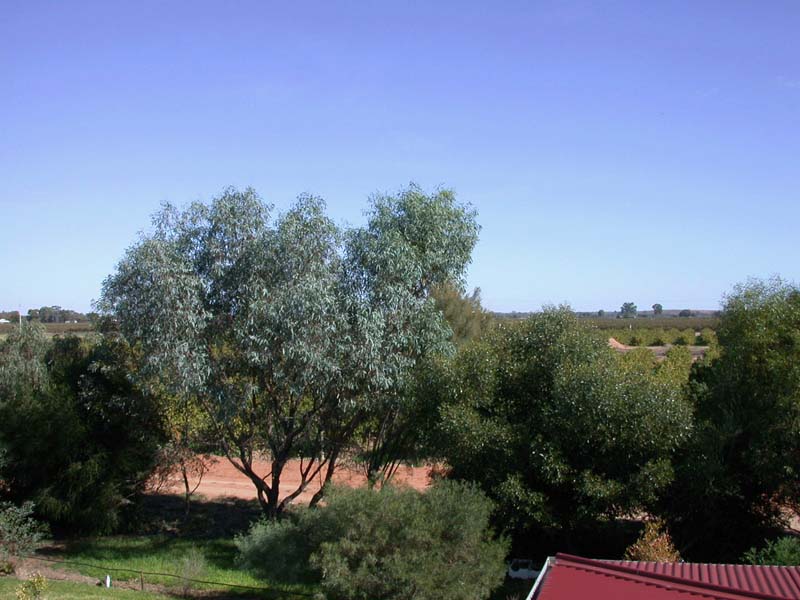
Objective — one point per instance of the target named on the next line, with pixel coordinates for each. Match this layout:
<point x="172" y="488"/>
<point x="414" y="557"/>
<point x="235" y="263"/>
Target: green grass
<point x="67" y="590"/>
<point x="166" y="554"/>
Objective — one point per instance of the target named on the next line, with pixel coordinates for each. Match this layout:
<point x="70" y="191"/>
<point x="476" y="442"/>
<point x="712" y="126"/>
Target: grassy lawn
<point x="204" y="559"/>
<point x="66" y="590"/>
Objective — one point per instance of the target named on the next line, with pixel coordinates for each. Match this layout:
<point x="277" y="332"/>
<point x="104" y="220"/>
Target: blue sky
<point x="643" y="151"/>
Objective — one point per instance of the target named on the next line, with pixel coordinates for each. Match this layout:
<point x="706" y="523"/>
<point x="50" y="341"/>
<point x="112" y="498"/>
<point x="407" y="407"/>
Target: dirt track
<point x="224" y="481"/>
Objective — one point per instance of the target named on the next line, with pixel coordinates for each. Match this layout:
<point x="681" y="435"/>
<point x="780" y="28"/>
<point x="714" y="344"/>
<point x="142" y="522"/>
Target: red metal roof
<point x="569" y="577"/>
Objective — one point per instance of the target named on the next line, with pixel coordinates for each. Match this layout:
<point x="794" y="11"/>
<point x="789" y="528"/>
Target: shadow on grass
<point x="158" y="538"/>
<point x="207" y="519"/>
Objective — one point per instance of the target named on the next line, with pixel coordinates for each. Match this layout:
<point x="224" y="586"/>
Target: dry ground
<point x="224" y="481"/>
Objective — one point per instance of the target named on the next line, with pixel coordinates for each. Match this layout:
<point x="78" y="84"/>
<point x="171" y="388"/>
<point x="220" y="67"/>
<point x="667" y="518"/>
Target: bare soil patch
<point x="224" y="481"/>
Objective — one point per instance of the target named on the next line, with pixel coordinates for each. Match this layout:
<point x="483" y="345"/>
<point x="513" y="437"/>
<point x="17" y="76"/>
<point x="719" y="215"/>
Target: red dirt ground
<point x="224" y="481"/>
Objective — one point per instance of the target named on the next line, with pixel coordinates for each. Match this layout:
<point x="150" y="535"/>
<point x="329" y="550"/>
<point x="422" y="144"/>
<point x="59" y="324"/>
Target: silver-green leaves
<point x="290" y="329"/>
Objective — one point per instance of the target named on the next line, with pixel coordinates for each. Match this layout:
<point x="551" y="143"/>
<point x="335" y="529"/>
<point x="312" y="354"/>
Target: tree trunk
<point x="186" y="490"/>
<point x="334" y="455"/>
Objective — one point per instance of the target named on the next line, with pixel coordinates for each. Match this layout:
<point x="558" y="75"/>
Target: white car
<point x="520" y="568"/>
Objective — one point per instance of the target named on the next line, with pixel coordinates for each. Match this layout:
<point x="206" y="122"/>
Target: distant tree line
<point x="56" y="314"/>
<point x="50" y="314"/>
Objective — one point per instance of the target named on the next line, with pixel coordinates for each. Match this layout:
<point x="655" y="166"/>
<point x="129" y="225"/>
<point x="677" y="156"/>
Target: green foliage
<point x="192" y="565"/>
<point x="707" y="337"/>
<point x="664" y="322"/>
<point x="56" y="314"/>
<point x="685" y="338"/>
<point x="22" y="367"/>
<point x="32" y="588"/>
<point x="556" y="427"/>
<point x="386" y="544"/>
<point x="80" y="439"/>
<point x="639" y="360"/>
<point x="464" y="313"/>
<point x="292" y="333"/>
<point x="674" y="369"/>
<point x="657" y="309"/>
<point x="676" y="366"/>
<point x="401" y="432"/>
<point x="743" y="465"/>
<point x="628" y="310"/>
<point x="658" y="336"/>
<point x="280" y="548"/>
<point x="784" y="551"/>
<point x="20" y="533"/>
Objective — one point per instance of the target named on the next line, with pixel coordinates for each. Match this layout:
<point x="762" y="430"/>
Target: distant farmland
<point x="79" y="329"/>
<point x="696" y="323"/>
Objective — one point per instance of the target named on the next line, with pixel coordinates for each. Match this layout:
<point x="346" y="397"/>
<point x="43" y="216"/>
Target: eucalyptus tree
<point x="290" y="330"/>
<point x="628" y="310"/>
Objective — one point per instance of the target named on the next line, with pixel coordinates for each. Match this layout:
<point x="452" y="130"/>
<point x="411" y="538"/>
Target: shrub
<point x="366" y="544"/>
<point x="658" y="337"/>
<point x="685" y="338"/>
<point x="676" y="366"/>
<point x="558" y="430"/>
<point x="98" y="433"/>
<point x="741" y="466"/>
<point x="784" y="551"/>
<point x="280" y="549"/>
<point x="641" y="360"/>
<point x="33" y="588"/>
<point x="654" y="545"/>
<point x="192" y="566"/>
<point x="707" y="337"/>
<point x="20" y="533"/>
<point x="637" y="339"/>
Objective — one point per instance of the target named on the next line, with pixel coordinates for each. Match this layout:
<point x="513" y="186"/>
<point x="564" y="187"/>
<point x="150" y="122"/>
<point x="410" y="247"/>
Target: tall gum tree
<point x="290" y="331"/>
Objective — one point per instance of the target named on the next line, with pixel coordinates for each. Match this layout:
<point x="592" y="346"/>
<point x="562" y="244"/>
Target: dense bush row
<point x="694" y="323"/>
<point x="658" y="336"/>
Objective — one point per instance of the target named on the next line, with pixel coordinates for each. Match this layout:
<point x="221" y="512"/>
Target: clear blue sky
<point x="644" y="151"/>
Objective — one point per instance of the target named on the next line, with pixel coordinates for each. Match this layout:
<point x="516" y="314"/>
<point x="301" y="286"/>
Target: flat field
<point x="696" y="323"/>
<point x="52" y="329"/>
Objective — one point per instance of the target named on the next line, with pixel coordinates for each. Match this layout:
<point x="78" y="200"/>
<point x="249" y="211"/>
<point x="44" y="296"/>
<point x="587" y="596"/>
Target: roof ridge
<point x="681" y="562"/>
<point x="691" y="583"/>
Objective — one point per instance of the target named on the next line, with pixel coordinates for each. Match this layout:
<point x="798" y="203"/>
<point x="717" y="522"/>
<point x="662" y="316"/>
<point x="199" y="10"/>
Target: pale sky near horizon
<point x="615" y="151"/>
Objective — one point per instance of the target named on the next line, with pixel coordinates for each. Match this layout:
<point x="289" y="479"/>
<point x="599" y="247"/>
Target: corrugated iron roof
<point x="783" y="582"/>
<point x="575" y="577"/>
